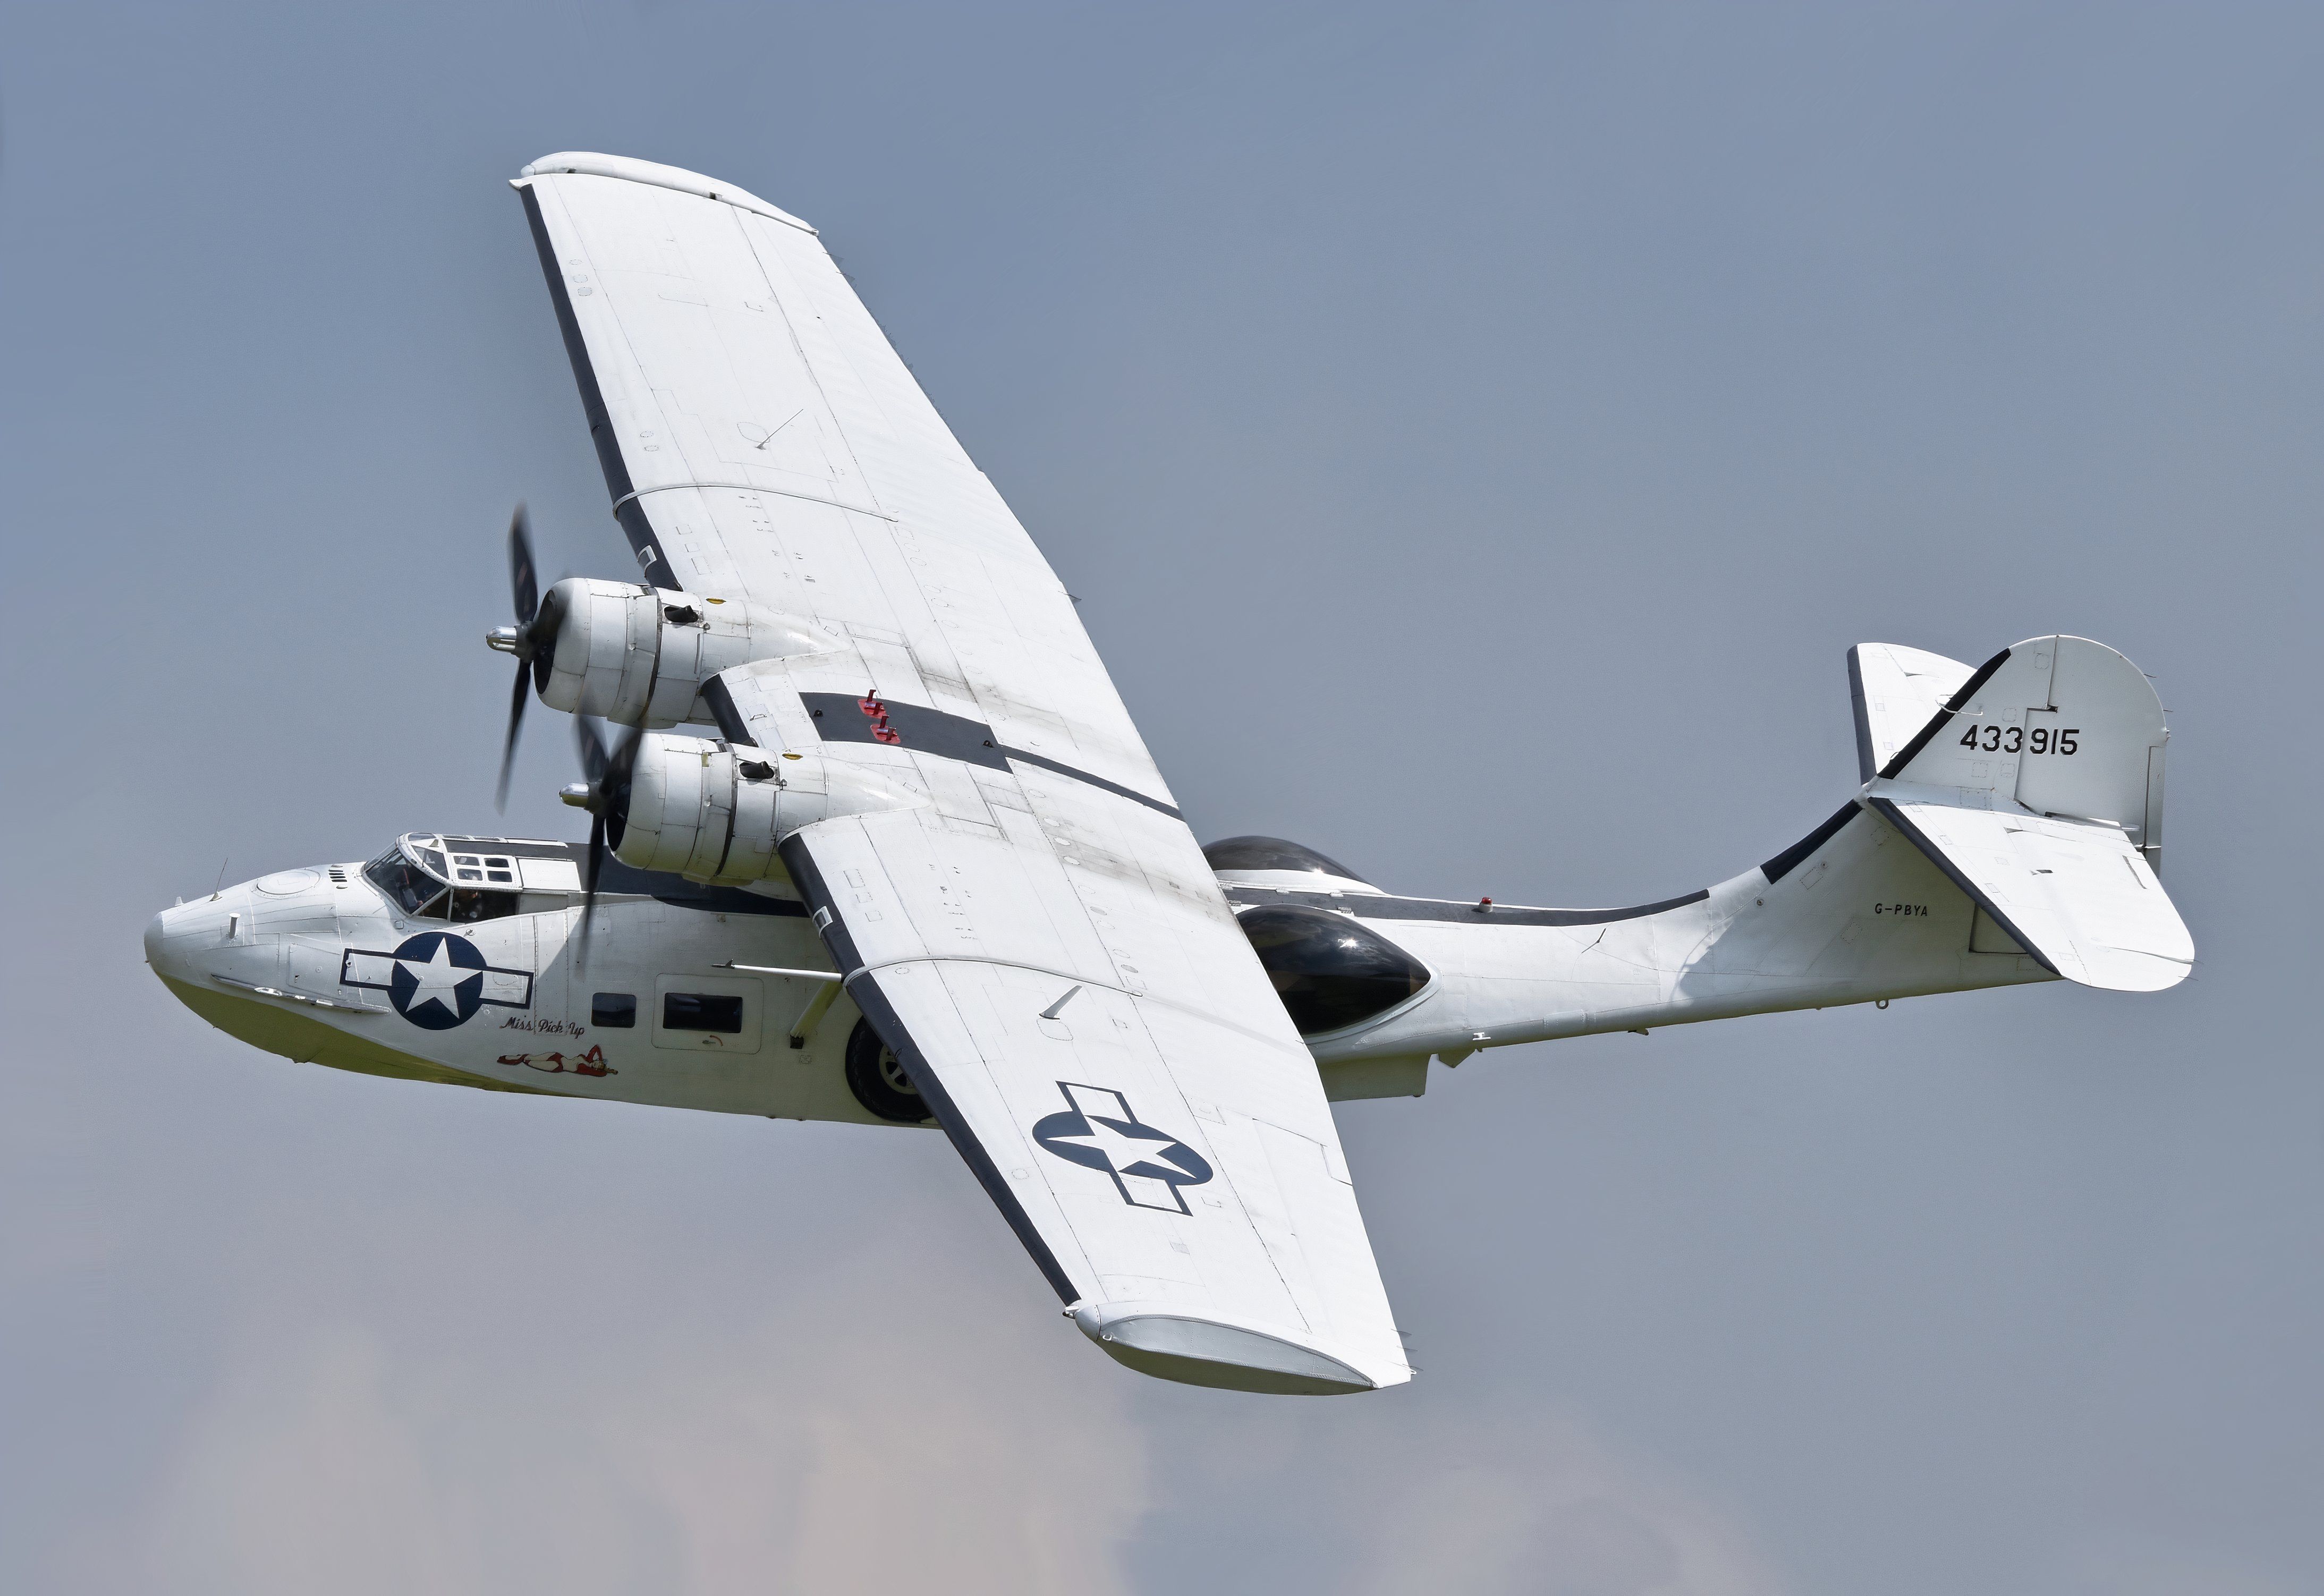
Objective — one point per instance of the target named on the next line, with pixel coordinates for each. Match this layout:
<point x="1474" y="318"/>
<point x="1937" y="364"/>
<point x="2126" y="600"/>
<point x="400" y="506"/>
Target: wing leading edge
<point x="1031" y="927"/>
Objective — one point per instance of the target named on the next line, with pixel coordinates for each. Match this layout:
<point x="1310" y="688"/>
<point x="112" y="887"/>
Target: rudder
<point x="2061" y="726"/>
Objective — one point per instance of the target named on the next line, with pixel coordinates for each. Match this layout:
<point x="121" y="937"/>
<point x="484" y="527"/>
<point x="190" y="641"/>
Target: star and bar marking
<point x="1100" y="1130"/>
<point x="435" y="980"/>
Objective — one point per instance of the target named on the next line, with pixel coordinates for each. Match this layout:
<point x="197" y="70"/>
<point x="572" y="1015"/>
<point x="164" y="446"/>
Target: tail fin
<point x="1896" y="689"/>
<point x="2061" y="724"/>
<point x="2038" y="787"/>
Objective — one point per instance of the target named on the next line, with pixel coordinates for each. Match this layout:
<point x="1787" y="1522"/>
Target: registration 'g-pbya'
<point x="917" y="868"/>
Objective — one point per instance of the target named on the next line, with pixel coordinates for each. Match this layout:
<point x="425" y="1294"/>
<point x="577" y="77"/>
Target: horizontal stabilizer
<point x="2074" y="894"/>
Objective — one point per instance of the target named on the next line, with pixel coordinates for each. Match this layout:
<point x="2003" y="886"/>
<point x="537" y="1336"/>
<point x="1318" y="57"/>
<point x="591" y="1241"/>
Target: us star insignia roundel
<point x="1100" y="1130"/>
<point x="437" y="979"/>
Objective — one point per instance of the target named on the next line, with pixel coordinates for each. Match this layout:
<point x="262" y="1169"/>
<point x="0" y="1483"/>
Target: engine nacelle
<point x="713" y="813"/>
<point x="639" y="656"/>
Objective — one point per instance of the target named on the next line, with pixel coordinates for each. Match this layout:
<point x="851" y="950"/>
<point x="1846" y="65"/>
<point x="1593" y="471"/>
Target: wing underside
<point x="1159" y="1158"/>
<point x="1032" y="929"/>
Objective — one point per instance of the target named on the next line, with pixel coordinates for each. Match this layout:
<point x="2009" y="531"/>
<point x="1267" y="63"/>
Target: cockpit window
<point x="1330" y="971"/>
<point x="403" y="883"/>
<point x="483" y="867"/>
<point x="421" y="894"/>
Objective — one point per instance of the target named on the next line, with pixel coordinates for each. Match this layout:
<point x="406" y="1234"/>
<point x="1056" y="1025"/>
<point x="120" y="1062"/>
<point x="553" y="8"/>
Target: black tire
<point x="877" y="1077"/>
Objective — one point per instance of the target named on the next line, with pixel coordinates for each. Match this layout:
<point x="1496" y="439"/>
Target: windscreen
<point x="404" y="883"/>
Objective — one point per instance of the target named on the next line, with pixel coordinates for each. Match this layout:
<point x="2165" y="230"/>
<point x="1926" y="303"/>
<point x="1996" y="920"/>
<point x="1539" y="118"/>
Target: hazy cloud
<point x="1553" y="1511"/>
<point x="813" y="1453"/>
<point x="1565" y="1537"/>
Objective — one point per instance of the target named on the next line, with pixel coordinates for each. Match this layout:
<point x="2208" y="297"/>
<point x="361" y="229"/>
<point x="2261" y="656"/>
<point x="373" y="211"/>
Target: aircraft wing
<point x="1037" y="936"/>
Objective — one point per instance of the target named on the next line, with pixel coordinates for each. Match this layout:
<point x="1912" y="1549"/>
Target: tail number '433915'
<point x="2010" y="739"/>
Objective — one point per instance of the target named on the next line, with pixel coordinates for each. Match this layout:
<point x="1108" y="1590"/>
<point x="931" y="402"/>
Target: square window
<point x="470" y="875"/>
<point x="699" y="1010"/>
<point x="498" y="876"/>
<point x="616" y="1010"/>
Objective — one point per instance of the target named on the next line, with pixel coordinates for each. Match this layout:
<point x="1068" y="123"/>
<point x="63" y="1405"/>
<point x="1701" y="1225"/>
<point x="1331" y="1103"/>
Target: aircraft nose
<point x="179" y="942"/>
<point x="171" y="937"/>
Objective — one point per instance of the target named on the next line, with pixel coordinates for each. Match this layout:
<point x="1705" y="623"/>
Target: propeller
<point x="532" y="640"/>
<point x="605" y="794"/>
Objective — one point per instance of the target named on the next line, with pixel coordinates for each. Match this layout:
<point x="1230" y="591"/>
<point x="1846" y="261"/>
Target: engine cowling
<point x="639" y="656"/>
<point x="714" y="813"/>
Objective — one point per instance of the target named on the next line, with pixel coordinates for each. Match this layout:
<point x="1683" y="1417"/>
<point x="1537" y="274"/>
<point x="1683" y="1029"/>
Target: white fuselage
<point x="323" y="965"/>
<point x="1862" y="919"/>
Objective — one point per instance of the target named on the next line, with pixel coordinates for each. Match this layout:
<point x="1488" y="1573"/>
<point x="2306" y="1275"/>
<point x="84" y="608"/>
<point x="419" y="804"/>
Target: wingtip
<point x="591" y="163"/>
<point x="1170" y="1343"/>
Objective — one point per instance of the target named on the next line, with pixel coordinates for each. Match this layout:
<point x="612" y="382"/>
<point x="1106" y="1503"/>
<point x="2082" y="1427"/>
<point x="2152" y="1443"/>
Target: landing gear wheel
<point x="877" y="1077"/>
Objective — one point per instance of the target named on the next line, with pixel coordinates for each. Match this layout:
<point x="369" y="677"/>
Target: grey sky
<point x="1477" y="435"/>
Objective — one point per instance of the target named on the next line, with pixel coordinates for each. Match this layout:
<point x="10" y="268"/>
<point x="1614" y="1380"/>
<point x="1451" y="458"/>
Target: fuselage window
<point x="1272" y="853"/>
<point x="469" y="905"/>
<point x="701" y="1011"/>
<point x="616" y="1010"/>
<point x="1330" y="971"/>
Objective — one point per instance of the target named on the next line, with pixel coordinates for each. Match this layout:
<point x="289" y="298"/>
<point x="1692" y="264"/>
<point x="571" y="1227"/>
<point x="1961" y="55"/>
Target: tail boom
<point x="2012" y="837"/>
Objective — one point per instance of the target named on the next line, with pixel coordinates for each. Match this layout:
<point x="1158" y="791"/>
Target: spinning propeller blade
<point x="523" y="691"/>
<point x="592" y="746"/>
<point x="523" y="639"/>
<point x="522" y="585"/>
<point x="608" y="802"/>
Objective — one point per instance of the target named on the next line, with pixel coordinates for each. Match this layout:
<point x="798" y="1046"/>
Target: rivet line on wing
<point x="753" y="487"/>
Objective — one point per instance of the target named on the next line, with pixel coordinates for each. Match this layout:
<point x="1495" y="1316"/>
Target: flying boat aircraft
<point x="918" y="869"/>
